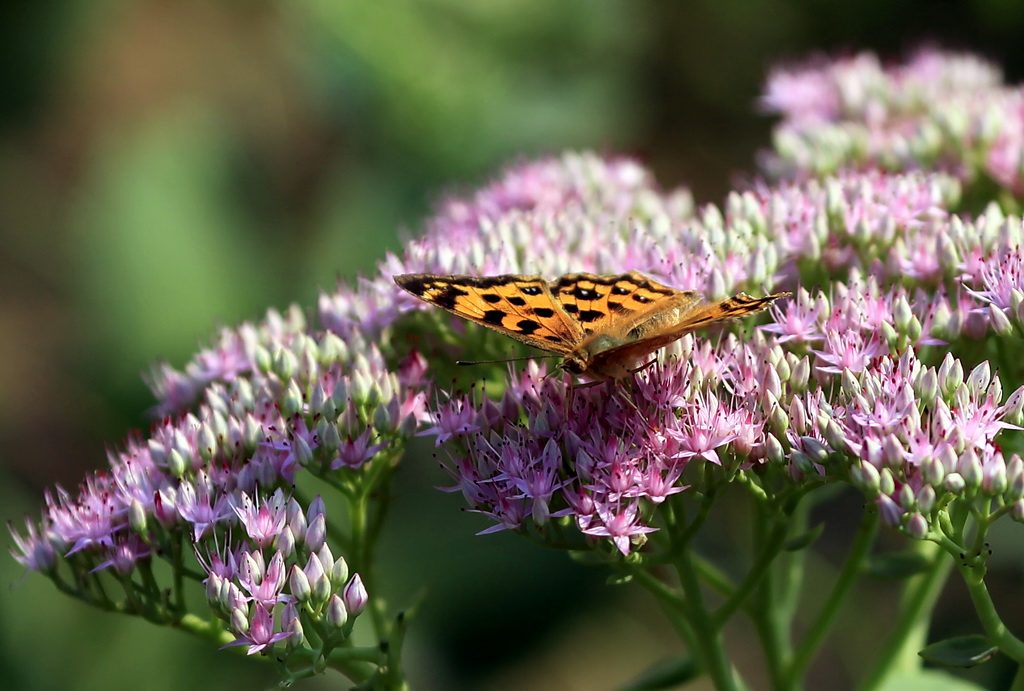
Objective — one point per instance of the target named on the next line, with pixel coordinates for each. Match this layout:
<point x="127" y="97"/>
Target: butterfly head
<point x="573" y="364"/>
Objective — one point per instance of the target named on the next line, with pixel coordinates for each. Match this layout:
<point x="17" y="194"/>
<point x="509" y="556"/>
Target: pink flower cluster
<point x="937" y="111"/>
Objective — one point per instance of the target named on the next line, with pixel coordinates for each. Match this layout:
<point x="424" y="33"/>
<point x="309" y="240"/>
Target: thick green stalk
<point x="994" y="627"/>
<point x="708" y="636"/>
<point x="910" y="633"/>
<point x="852" y="569"/>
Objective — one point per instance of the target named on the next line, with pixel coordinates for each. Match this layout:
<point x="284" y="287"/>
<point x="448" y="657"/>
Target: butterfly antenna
<point x="466" y="363"/>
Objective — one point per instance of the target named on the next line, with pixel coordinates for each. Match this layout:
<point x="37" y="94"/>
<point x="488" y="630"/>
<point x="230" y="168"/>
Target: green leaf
<point x="795" y="544"/>
<point x="897" y="565"/>
<point x="664" y="674"/>
<point x="960" y="652"/>
<point x="927" y="680"/>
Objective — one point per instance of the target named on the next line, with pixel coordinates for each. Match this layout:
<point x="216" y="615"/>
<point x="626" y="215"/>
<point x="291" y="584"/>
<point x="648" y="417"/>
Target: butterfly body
<point x="603" y="326"/>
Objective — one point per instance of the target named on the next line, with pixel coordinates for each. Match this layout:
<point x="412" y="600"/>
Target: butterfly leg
<point x="646" y="365"/>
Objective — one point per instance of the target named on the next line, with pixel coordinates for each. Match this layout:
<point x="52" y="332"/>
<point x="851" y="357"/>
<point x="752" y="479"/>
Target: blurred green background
<point x="167" y="166"/>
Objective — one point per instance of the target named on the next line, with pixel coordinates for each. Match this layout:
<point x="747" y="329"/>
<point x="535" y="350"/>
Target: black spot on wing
<point x="491" y="297"/>
<point x="517" y="301"/>
<point x="584" y="293"/>
<point x="447" y="295"/>
<point x="587" y="316"/>
<point x="494" y="317"/>
<point x="544" y="312"/>
<point x="527" y="326"/>
<point x="571" y="308"/>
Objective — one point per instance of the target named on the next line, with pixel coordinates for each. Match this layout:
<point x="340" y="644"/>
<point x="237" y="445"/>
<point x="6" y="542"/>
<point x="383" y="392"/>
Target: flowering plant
<point x="266" y="481"/>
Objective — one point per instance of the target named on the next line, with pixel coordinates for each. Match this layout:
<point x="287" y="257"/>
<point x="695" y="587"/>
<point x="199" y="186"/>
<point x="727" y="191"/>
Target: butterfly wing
<point x="664" y="323"/>
<point x="600" y="302"/>
<point x="520" y="307"/>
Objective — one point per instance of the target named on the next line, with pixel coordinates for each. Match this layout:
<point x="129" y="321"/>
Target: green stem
<point x="852" y="568"/>
<point x="899" y="651"/>
<point x="772" y="545"/>
<point x="994" y="627"/>
<point x="707" y="635"/>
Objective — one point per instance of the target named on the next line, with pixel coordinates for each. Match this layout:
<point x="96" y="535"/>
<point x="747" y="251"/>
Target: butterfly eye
<point x="573" y="366"/>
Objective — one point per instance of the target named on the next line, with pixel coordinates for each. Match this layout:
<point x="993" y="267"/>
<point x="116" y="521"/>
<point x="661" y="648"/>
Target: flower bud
<point x="951" y="375"/>
<point x="292" y="403"/>
<point x="302" y="450"/>
<point x="1017" y="510"/>
<point x="994" y="481"/>
<point x="1013" y="409"/>
<point x="893" y="453"/>
<point x="933" y="472"/>
<point x="850" y="384"/>
<point x="969" y="467"/>
<point x="284" y="364"/>
<point x="888" y="333"/>
<point x="834" y="435"/>
<point x="326" y="558"/>
<point x="889" y="512"/>
<point x="177" y="464"/>
<point x="137" y="518"/>
<point x="927" y="386"/>
<point x="907" y="498"/>
<point x="330" y="437"/>
<point x="886" y="482"/>
<point x="773" y="449"/>
<point x="339" y="572"/>
<point x="292" y="624"/>
<point x="1001" y="323"/>
<point x="264" y="362"/>
<point x="239" y="620"/>
<point x="815" y="450"/>
<point x="866" y="477"/>
<point x="925" y="499"/>
<point x="319" y="583"/>
<point x="318" y="400"/>
<point x="332" y="349"/>
<point x="901" y="313"/>
<point x="800" y="375"/>
<point x="157" y="451"/>
<point x="355" y="595"/>
<point x="298" y="584"/>
<point x="214" y="584"/>
<point x="955" y="483"/>
<point x="337" y="614"/>
<point x="916" y="527"/>
<point x="285" y="543"/>
<point x="206" y="442"/>
<point x="798" y="416"/>
<point x="1014" y="479"/>
<point x="979" y="379"/>
<point x="772" y="383"/>
<point x="316" y="533"/>
<point x="781" y="365"/>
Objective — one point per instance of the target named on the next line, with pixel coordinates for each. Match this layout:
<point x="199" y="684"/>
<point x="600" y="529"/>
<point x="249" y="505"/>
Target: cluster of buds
<point x="300" y="585"/>
<point x="936" y="111"/>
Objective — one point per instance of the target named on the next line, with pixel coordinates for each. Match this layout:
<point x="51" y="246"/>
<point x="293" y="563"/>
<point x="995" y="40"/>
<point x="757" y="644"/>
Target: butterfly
<point x="603" y="326"/>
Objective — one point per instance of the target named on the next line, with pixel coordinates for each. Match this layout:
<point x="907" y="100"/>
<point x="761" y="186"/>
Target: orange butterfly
<point x="602" y="325"/>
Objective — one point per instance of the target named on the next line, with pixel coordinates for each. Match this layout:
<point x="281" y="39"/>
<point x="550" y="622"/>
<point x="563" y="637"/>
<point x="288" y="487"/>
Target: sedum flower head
<point x="881" y="372"/>
<point x="938" y="110"/>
